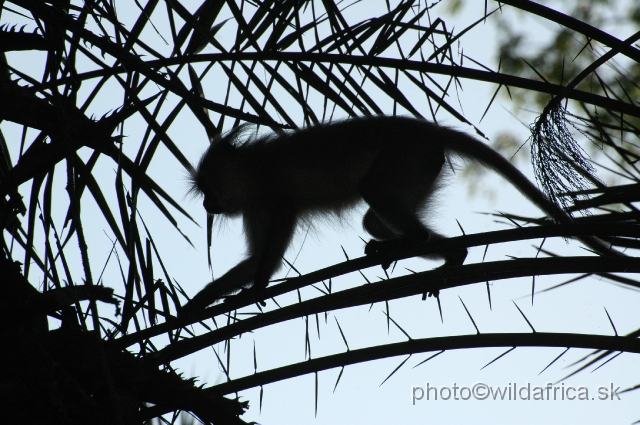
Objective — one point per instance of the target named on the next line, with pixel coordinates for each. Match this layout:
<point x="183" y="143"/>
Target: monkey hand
<point x="195" y="305"/>
<point x="210" y="294"/>
<point x="252" y="293"/>
<point x="247" y="294"/>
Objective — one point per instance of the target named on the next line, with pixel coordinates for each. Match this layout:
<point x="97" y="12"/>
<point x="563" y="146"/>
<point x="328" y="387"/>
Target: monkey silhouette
<point x="393" y="164"/>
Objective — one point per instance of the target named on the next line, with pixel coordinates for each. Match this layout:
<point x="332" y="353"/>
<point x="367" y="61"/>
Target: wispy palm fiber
<point x="559" y="162"/>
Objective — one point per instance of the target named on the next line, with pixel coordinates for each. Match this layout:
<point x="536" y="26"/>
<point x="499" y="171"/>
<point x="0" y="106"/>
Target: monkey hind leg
<point x="385" y="247"/>
<point x="397" y="190"/>
<point x="376" y="227"/>
<point x="269" y="234"/>
<point x="393" y="225"/>
<point x="397" y="186"/>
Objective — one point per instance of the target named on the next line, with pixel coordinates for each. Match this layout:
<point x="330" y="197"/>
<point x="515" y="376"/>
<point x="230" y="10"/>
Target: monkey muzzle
<point x="212" y="206"/>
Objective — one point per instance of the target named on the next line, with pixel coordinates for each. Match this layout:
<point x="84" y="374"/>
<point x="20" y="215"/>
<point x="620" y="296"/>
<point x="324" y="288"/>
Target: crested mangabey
<point x="391" y="163"/>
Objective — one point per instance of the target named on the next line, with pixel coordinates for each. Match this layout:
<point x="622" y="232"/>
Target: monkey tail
<point x="461" y="144"/>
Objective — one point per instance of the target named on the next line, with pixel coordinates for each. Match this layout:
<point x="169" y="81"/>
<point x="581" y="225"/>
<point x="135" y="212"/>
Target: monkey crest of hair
<point x="559" y="163"/>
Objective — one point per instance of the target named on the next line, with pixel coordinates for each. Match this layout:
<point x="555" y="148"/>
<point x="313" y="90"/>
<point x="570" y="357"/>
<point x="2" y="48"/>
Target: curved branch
<point x="537" y="339"/>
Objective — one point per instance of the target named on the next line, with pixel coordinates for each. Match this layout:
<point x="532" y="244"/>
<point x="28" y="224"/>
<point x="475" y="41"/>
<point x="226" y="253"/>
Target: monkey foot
<point x="455" y="257"/>
<point x="386" y="247"/>
<point x="375" y="248"/>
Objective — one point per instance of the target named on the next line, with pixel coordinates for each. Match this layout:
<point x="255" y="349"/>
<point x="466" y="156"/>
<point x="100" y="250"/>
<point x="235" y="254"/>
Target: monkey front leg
<point x="236" y="279"/>
<point x="269" y="233"/>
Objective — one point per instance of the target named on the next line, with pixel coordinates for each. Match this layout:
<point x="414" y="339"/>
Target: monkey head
<point x="216" y="179"/>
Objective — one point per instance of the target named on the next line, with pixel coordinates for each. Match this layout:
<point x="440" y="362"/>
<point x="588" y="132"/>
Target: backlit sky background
<point x="359" y="397"/>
